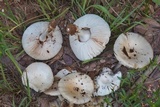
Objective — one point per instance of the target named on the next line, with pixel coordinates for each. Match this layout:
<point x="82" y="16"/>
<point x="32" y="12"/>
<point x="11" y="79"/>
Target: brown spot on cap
<point x="131" y="50"/>
<point x="125" y="52"/>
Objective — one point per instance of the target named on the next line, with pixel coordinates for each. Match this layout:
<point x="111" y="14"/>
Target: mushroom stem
<point x="51" y="27"/>
<point x="43" y="35"/>
<point x="117" y="66"/>
<point x="84" y="34"/>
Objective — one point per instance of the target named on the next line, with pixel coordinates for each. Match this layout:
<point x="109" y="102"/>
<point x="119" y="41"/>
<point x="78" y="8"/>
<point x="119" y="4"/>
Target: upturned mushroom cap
<point x="77" y="88"/>
<point x="88" y="36"/>
<point x="39" y="76"/>
<point x="39" y="44"/>
<point x="107" y="82"/>
<point x="133" y="50"/>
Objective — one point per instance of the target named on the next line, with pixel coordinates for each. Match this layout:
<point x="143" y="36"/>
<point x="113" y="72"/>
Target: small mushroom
<point x="38" y="75"/>
<point x="53" y="90"/>
<point x="133" y="50"/>
<point x="77" y="88"/>
<point x="88" y="36"/>
<point x="107" y="82"/>
<point x="63" y="73"/>
<point x="42" y="40"/>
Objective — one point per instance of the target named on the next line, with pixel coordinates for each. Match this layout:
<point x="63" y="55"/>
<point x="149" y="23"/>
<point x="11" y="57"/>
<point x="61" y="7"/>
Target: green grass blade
<point x="8" y="17"/>
<point x="126" y="17"/>
<point x="90" y="60"/>
<point x="4" y="77"/>
<point x="62" y="13"/>
<point x="102" y="9"/>
<point x="43" y="9"/>
<point x="22" y="103"/>
<point x="80" y="7"/>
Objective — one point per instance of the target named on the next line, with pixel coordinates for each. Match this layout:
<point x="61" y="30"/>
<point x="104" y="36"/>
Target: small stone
<point x="102" y="61"/>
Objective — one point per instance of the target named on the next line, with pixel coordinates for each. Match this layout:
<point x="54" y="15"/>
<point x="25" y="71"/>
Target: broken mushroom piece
<point x="88" y="36"/>
<point x="107" y="82"/>
<point x="38" y="76"/>
<point x="77" y="88"/>
<point x="62" y="73"/>
<point x="133" y="50"/>
<point x="42" y="40"/>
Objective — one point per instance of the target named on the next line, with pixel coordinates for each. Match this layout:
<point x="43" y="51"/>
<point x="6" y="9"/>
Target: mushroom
<point x="42" y="40"/>
<point x="53" y="90"/>
<point x="107" y="82"/>
<point x="77" y="88"/>
<point x="38" y="76"/>
<point x="63" y="73"/>
<point x="133" y="50"/>
<point x="95" y="102"/>
<point x="88" y="36"/>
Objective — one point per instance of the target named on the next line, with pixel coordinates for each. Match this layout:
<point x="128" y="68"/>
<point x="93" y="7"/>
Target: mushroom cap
<point x="107" y="82"/>
<point x="41" y="50"/>
<point x="62" y="73"/>
<point x="53" y="90"/>
<point x="133" y="50"/>
<point x="77" y="88"/>
<point x="39" y="76"/>
<point x="100" y="34"/>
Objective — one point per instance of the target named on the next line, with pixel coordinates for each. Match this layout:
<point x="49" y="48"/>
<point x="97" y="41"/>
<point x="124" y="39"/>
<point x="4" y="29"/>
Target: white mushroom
<point x="88" y="36"/>
<point x="38" y="75"/>
<point x="62" y="73"/>
<point x="42" y="40"/>
<point x="95" y="102"/>
<point x="77" y="88"/>
<point x="106" y="82"/>
<point x="133" y="50"/>
<point x="53" y="90"/>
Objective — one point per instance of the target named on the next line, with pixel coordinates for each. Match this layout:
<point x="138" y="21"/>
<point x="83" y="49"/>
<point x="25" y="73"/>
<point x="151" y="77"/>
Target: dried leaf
<point x="67" y="59"/>
<point x="151" y="22"/>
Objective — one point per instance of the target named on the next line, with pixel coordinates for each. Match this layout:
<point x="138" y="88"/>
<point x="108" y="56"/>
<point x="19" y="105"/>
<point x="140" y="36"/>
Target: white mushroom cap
<point x="53" y="90"/>
<point x="133" y="50"/>
<point x="62" y="73"/>
<point x="107" y="82"/>
<point x="91" y="36"/>
<point x="77" y="88"/>
<point x="40" y="45"/>
<point x="39" y="76"/>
